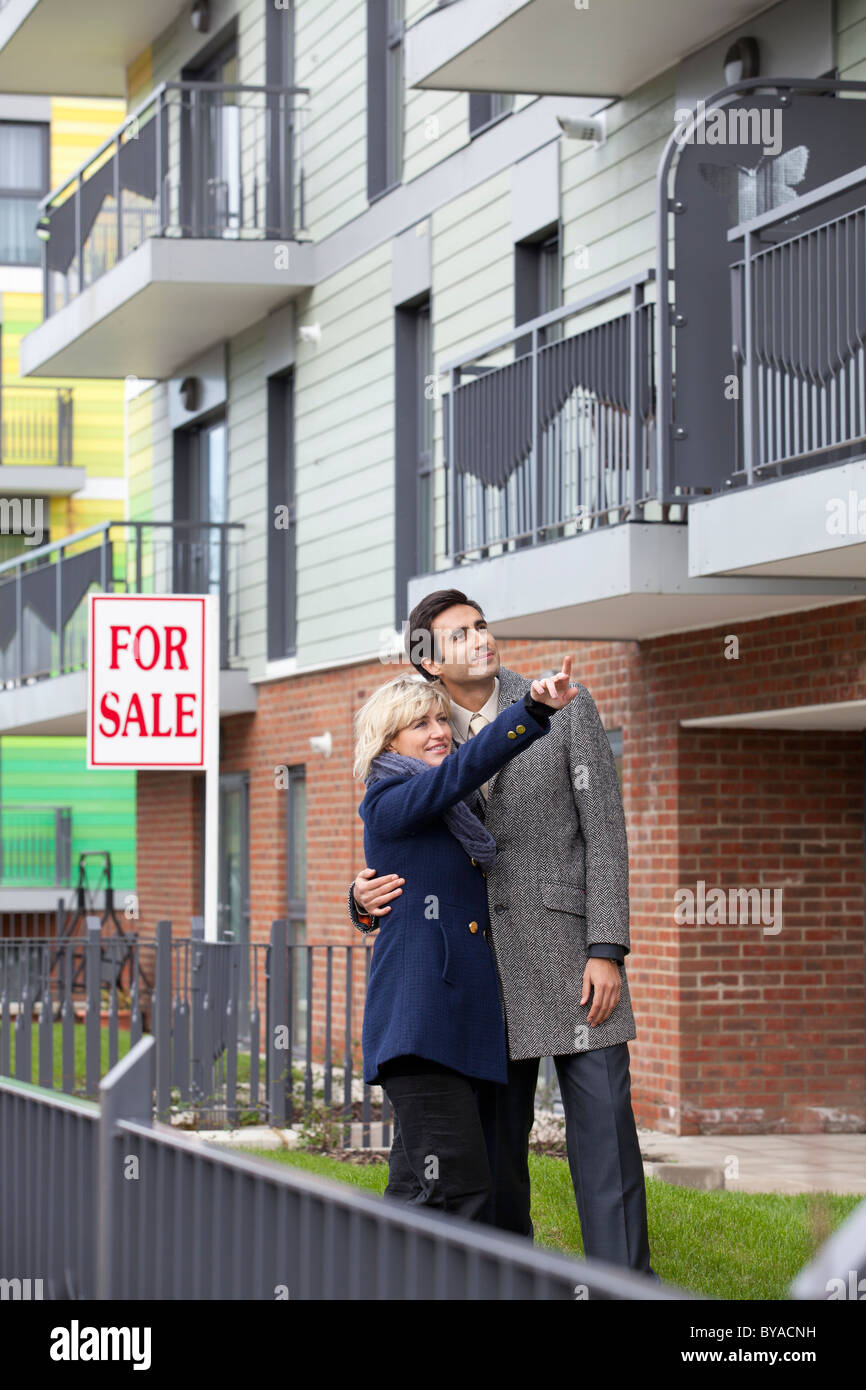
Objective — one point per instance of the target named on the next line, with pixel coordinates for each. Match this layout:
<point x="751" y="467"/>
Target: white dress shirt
<point x="460" y="717"/>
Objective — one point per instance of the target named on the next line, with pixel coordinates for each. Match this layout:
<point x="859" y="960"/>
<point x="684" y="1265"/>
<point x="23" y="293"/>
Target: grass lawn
<point x="78" y="1036"/>
<point x="728" y="1245"/>
<point x="79" y="1042"/>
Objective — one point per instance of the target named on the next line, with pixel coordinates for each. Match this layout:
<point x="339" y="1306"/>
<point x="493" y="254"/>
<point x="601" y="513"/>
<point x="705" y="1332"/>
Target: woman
<point x="434" y="1028"/>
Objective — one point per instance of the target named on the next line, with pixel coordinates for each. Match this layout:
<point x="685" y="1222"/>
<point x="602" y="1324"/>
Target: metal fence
<point x="195" y="159"/>
<point x="244" y="1032"/>
<point x="35" y="845"/>
<point x="44" y="592"/>
<point x="799" y="334"/>
<point x="101" y="1201"/>
<point x="559" y="437"/>
<point x="36" y="425"/>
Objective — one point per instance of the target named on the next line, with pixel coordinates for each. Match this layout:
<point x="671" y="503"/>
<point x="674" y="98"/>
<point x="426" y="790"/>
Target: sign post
<point x="153" y="697"/>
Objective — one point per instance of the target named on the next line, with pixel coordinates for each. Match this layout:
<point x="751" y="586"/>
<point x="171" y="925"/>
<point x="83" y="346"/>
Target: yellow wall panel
<point x="139" y="77"/>
<point x="78" y="127"/>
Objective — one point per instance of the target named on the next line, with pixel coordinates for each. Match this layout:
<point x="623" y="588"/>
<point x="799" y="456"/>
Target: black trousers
<point x="603" y="1153"/>
<point x="444" y="1126"/>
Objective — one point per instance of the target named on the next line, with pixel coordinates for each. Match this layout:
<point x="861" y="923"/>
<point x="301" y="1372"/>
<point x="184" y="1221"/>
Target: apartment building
<point x="61" y="472"/>
<point x="410" y="296"/>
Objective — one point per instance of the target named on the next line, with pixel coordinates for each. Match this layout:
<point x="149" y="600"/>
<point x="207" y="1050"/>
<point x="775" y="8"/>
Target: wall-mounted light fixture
<point x="190" y="392"/>
<point x="199" y="16"/>
<point x="589" y="128"/>
<point x="323" y="744"/>
<point x="742" y="61"/>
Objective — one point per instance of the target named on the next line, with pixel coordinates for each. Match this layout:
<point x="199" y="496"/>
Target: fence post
<point x="126" y="1093"/>
<point x="278" y="1014"/>
<point x="196" y="932"/>
<point x="92" y="972"/>
<point x="162" y="1018"/>
<point x="537" y="447"/>
<point x="62" y="845"/>
<point x="750" y="375"/>
<point x="631" y="469"/>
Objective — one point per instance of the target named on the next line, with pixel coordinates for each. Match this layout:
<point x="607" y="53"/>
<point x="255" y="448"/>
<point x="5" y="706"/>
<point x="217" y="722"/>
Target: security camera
<point x="589" y="128"/>
<point x="310" y="333"/>
<point x="322" y="743"/>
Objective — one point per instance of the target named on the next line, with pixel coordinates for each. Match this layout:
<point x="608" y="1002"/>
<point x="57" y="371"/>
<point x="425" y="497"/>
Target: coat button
<point x="521" y="728"/>
<point x="475" y="863"/>
<point x="512" y="734"/>
<point x="500" y="907"/>
<point x="485" y="936"/>
<point x="473" y="927"/>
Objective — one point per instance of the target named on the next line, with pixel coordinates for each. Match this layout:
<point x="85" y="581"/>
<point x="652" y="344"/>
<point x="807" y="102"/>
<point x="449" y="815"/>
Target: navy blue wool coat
<point x="433" y="988"/>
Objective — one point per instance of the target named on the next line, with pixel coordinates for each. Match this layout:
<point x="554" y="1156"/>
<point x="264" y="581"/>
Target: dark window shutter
<point x="377" y="37"/>
<point x="479" y="109"/>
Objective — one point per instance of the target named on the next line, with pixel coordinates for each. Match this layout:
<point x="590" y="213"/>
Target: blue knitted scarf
<point x="463" y="823"/>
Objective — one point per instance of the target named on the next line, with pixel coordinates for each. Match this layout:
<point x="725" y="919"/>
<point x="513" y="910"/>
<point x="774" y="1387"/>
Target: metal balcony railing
<point x="35" y="845"/>
<point x="799" y="334"/>
<point x="195" y="159"/>
<point x="36" y="425"/>
<point x="43" y="594"/>
<point x="557" y="439"/>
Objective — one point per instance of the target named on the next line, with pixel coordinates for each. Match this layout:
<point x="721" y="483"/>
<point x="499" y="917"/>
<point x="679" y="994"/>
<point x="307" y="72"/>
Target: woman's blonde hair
<point x="391" y="708"/>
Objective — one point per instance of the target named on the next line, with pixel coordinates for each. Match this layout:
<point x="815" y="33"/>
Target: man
<point x="559" y="930"/>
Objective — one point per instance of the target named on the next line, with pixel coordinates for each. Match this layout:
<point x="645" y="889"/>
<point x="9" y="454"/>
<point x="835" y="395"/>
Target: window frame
<point x="282" y="550"/>
<point x="35" y="192"/>
<point x="493" y="116"/>
<point x="386" y="28"/>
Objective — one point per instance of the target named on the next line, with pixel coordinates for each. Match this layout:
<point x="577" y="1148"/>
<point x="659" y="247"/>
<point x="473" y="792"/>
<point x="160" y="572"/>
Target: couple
<point x="499" y="888"/>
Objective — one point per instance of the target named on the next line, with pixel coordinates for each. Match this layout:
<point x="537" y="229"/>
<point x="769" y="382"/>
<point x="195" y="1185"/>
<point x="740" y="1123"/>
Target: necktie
<point x="476" y="723"/>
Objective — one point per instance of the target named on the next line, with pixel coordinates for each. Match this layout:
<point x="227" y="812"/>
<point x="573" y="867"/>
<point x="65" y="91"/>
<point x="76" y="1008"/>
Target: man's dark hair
<point x="419" y="640"/>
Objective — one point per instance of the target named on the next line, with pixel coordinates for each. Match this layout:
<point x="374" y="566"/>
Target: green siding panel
<point x="52" y="771"/>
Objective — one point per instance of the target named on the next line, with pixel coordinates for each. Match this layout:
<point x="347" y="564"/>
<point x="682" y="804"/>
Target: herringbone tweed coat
<point x="559" y="882"/>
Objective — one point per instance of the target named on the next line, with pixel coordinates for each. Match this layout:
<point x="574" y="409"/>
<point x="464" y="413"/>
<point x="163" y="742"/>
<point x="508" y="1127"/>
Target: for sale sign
<point x="149" y="695"/>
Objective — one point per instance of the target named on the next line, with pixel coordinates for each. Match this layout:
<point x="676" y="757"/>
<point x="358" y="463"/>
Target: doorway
<point x="233" y="909"/>
<point x="211" y="187"/>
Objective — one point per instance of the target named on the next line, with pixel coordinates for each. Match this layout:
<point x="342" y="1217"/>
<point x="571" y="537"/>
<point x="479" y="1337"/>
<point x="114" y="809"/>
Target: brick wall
<point x="738" y="1030"/>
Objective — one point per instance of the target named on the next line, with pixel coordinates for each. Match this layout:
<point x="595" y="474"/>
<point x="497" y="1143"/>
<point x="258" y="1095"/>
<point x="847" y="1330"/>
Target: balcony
<point x="35" y="846"/>
<point x="563" y="519"/>
<point x="547" y="47"/>
<point x="181" y="230"/>
<point x="43" y="612"/>
<point x="772" y="299"/>
<point x="52" y="46"/>
<point x="36" y="452"/>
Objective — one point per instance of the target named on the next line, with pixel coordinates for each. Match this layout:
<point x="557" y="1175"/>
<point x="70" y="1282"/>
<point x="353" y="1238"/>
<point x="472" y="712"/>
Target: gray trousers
<point x="603" y="1154"/>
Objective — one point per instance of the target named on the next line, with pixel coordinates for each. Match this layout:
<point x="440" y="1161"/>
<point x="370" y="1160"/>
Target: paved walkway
<point x="737" y="1162"/>
<point x="766" y="1162"/>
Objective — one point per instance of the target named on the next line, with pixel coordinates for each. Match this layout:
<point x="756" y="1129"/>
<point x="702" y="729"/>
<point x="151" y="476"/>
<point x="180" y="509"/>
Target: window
<point x="485" y="108"/>
<point x="614" y="738"/>
<point x="282" y="549"/>
<point x="413" y="446"/>
<point x="211" y="184"/>
<point x="384" y="95"/>
<point x="23" y="182"/>
<point x="296" y="901"/>
<point x="537" y="285"/>
<point x="280" y="72"/>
